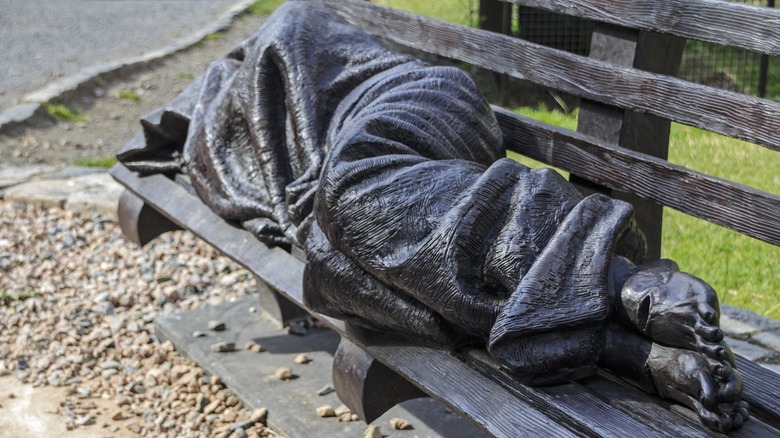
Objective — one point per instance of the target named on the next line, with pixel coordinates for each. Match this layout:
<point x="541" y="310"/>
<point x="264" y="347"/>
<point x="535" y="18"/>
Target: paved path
<point x="44" y="41"/>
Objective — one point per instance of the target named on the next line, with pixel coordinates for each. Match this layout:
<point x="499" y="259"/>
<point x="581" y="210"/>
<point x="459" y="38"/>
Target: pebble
<point x="254" y="347"/>
<point x="341" y="410"/>
<point x="372" y="432"/>
<point x="259" y="415"/>
<point x="296" y="328"/>
<point x="216" y="326"/>
<point x="199" y="334"/>
<point x="284" y="373"/>
<point x="399" y="424"/>
<point x="302" y="359"/>
<point x="223" y="347"/>
<point x="201" y="402"/>
<point x="242" y="424"/>
<point x="229" y="415"/>
<point x="326" y="411"/>
<point x="238" y="433"/>
<point x="325" y="390"/>
<point x="109" y="364"/>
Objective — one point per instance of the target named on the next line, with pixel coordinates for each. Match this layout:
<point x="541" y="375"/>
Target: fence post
<point x="496" y="16"/>
<point x="640" y="132"/>
<point x="763" y="71"/>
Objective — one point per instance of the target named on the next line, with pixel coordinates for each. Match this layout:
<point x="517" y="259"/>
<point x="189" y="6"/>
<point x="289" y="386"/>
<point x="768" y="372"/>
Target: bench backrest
<point x="628" y="95"/>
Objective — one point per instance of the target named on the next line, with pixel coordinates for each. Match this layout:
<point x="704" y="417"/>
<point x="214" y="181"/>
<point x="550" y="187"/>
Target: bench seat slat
<point x="624" y="412"/>
<point x="741" y="208"/>
<point x="729" y="23"/>
<point x="498" y="408"/>
<point x="764" y="397"/>
<point x="725" y="112"/>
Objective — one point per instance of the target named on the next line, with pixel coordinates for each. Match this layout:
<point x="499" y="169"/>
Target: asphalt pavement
<point x="45" y="41"/>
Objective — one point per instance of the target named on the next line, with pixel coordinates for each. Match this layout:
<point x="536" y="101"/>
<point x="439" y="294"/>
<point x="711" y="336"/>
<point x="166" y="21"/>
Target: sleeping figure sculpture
<point x="391" y="174"/>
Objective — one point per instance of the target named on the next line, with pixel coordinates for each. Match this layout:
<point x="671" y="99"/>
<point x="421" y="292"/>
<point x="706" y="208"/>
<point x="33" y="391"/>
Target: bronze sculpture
<point x="390" y="173"/>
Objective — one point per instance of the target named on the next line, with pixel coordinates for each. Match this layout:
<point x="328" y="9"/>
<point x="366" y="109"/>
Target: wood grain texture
<point x="729" y="23"/>
<point x="762" y="391"/>
<point x="640" y="132"/>
<point x="741" y="208"/>
<point x="624" y="411"/>
<point x="745" y="117"/>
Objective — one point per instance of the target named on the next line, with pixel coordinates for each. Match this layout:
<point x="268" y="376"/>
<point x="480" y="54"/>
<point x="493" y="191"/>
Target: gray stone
<point x="199" y="334"/>
<point x="217" y="326"/>
<point x="109" y="364"/>
<point x="223" y="347"/>
<point x="12" y="176"/>
<point x="96" y="192"/>
<point x="769" y="340"/>
<point x="85" y="420"/>
<point x="18" y="113"/>
<point x="772" y="367"/>
<point x="48" y="193"/>
<point x="750" y="351"/>
<point x="68" y="172"/>
<point x="242" y="424"/>
<point x="750" y="318"/>
<point x="238" y="433"/>
<point x="325" y="390"/>
<point x="736" y="328"/>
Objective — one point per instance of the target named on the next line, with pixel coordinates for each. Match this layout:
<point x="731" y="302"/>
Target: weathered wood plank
<point x="725" y="112"/>
<point x="729" y="23"/>
<point x="741" y="208"/>
<point x="591" y="398"/>
<point x="764" y="397"/>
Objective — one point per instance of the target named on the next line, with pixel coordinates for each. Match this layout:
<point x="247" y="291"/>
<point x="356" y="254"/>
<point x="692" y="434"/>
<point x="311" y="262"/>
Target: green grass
<point x="744" y="271"/>
<point x="9" y="296"/>
<point x="216" y="36"/>
<point x="455" y="11"/>
<point x="104" y="162"/>
<point x="185" y="75"/>
<point x="129" y="95"/>
<point x="62" y="113"/>
<point x="264" y="7"/>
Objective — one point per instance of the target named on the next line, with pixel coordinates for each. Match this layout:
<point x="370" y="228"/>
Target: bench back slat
<point x="732" y="24"/>
<point x="741" y="208"/>
<point x="740" y="116"/>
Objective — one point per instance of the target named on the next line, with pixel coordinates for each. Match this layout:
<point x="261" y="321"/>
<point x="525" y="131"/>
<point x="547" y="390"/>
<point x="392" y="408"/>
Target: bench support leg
<point x="277" y="307"/>
<point x="141" y="223"/>
<point x="365" y="385"/>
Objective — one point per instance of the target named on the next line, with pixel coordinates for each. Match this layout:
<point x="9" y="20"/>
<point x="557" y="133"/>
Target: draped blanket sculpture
<point x="390" y="174"/>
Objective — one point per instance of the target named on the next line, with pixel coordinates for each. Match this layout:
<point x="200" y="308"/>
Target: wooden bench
<point x="628" y="99"/>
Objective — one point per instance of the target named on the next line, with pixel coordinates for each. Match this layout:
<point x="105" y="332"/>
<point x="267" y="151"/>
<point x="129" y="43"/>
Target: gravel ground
<point x="77" y="300"/>
<point x="76" y="310"/>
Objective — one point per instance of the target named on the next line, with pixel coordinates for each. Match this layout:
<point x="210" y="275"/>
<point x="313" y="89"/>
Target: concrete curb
<point x="71" y="87"/>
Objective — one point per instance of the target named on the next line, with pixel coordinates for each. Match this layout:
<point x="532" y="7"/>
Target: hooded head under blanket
<point x="391" y="174"/>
